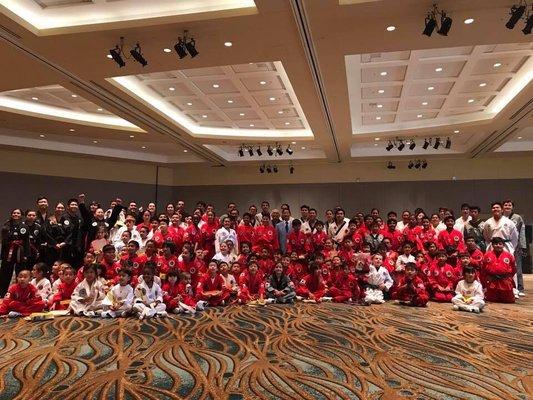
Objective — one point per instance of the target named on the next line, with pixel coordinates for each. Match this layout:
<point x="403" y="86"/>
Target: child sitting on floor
<point x="469" y="292"/>
<point x="21" y="299"/>
<point x="442" y="279"/>
<point x="61" y="297"/>
<point x="119" y="300"/>
<point x="251" y="284"/>
<point x="211" y="287"/>
<point x="43" y="285"/>
<point x="311" y="287"/>
<point x="87" y="297"/>
<point x="148" y="302"/>
<point x="174" y="298"/>
<point x="279" y="287"/>
<point x="411" y="290"/>
<point x="379" y="281"/>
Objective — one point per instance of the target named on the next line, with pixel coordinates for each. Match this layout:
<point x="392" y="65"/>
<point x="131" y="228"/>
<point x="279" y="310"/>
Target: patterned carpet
<point x="330" y="351"/>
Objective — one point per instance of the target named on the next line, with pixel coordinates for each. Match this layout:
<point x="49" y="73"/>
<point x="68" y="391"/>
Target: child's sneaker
<point x="14" y="314"/>
<point x="299" y="298"/>
<point x="89" y="314"/>
<point x="455" y="308"/>
<point x="270" y="301"/>
<point x="327" y="299"/>
<point x="475" y="310"/>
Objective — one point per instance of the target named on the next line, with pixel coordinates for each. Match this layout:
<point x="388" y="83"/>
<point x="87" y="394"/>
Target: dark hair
<point x="465" y="205"/>
<point x="496" y="203"/>
<point x="508" y="201"/>
<point x="126" y="271"/>
<point x="496" y="239"/>
<point x="468" y="269"/>
<point x="72" y="200"/>
<point x="313" y="209"/>
<point x="475" y="208"/>
<point x="89" y="267"/>
<point x="247" y="214"/>
<point x="411" y="265"/>
<point x="41" y="267"/>
<point x="108" y="247"/>
<point x="136" y="243"/>
<point x="304" y="206"/>
<point x="296" y="222"/>
<point x="172" y="273"/>
<point x="448" y="218"/>
<point x="150" y="265"/>
<point x="42" y="198"/>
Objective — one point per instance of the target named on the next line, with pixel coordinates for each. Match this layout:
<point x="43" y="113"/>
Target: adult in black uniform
<point x="54" y="236"/>
<point x="42" y="210"/>
<point x="94" y="220"/>
<point x="33" y="236"/>
<point x="72" y="252"/>
<point x="13" y="252"/>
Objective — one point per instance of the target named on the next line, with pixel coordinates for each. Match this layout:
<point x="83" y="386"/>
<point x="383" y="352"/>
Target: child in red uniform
<point x="21" y="299"/>
<point x="346" y="251"/>
<point x="476" y="255"/>
<point x="497" y="273"/>
<point x="451" y="237"/>
<point x="251" y="284"/>
<point x="211" y="287"/>
<point x="329" y="251"/>
<point x="61" y="299"/>
<point x="88" y="259"/>
<point x="411" y="290"/>
<point x="245" y="231"/>
<point x="174" y="298"/>
<point x="168" y="261"/>
<point x="265" y="236"/>
<point x="296" y="240"/>
<point x="442" y="279"/>
<point x="297" y="268"/>
<point x="109" y="262"/>
<point x="265" y="263"/>
<point x="318" y="238"/>
<point x="345" y="287"/>
<point x="311" y="287"/>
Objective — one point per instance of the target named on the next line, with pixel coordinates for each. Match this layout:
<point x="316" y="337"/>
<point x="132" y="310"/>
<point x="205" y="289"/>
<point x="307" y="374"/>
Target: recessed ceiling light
<point x="384" y="73"/>
<point x="419" y="116"/>
<point x="41" y="136"/>
<point x="189" y="103"/>
<point x="376" y="139"/>
<point x="132" y="136"/>
<point x="381" y="91"/>
<point x="438" y="69"/>
<point x="230" y="101"/>
<point x="378" y="118"/>
<point x="470" y="100"/>
<point x="216" y="85"/>
<point x="379" y="106"/>
<point x="519" y="137"/>
<point x="391" y="28"/>
<point x="468" y="21"/>
<point x="293" y="142"/>
<point x="95" y="141"/>
<point x="252" y="125"/>
<point x="72" y="130"/>
<point x="109" y="56"/>
<point x="431" y="87"/>
<point x="185" y="150"/>
<point x="74" y="95"/>
<point x="241" y="114"/>
<point x="171" y="88"/>
<point x="280" y="112"/>
<point x="497" y="65"/>
<point x="228" y="44"/>
<point x="35" y="98"/>
<point x="263" y="83"/>
<point x="424" y="103"/>
<point x="143" y="147"/>
<point x="456" y="131"/>
<point x="204" y="116"/>
<point x="272" y="98"/>
<point x="100" y="109"/>
<point x="303" y="147"/>
<point x="482" y="84"/>
<point x="167" y="50"/>
<point x="375" y="144"/>
<point x="287" y="123"/>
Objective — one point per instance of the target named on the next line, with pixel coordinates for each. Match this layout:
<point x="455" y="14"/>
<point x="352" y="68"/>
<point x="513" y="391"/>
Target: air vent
<point x="521" y="109"/>
<point x="9" y="32"/>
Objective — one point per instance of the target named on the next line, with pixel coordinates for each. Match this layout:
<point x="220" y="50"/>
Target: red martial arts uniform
<point x="64" y="293"/>
<point x="396" y="238"/>
<point x="497" y="277"/>
<point x="296" y="241"/>
<point x="245" y="233"/>
<point x="411" y="290"/>
<point x="445" y="277"/>
<point x="251" y="287"/>
<point x="453" y="239"/>
<point x="208" y="232"/>
<point x="24" y="300"/>
<point x="344" y="288"/>
<point x="207" y="284"/>
<point x="265" y="237"/>
<point x="172" y="291"/>
<point x="311" y="284"/>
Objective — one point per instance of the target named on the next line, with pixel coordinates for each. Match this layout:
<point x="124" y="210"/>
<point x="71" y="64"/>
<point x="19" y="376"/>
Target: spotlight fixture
<point x="251" y="151"/>
<point x="289" y="150"/>
<point x="262" y="169"/>
<point x="431" y="24"/>
<point x="424" y="164"/>
<point x="241" y="152"/>
<point x="180" y="48"/>
<point x="291" y="170"/>
<point x="445" y="24"/>
<point x="412" y="145"/>
<point x="411" y="165"/>
<point x="417" y="164"/>
<point x="529" y="25"/>
<point x="426" y="144"/>
<point x="269" y="151"/>
<point x="269" y="169"/>
<point x="191" y="48"/>
<point x="258" y="151"/>
<point x="437" y="143"/>
<point x="390" y="165"/>
<point x="517" y="11"/>
<point x="275" y="169"/>
<point x="279" y="150"/>
<point x="401" y="146"/>
<point x="448" y="143"/>
<point x="389" y="146"/>
<point x="137" y="55"/>
<point x="116" y="55"/>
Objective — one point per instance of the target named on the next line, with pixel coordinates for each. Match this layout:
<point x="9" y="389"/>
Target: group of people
<point x="133" y="261"/>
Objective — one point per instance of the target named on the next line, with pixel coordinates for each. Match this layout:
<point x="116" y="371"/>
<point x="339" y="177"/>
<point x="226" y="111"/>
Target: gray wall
<point x="21" y="190"/>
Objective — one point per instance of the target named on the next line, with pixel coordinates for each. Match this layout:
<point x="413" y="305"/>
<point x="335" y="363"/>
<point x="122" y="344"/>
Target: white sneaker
<point x="455" y="308"/>
<point x="521" y="294"/>
<point x="475" y="310"/>
<point x="309" y="301"/>
<point x="201" y="305"/>
<point x="327" y="299"/>
<point x="270" y="301"/>
<point x="106" y="314"/>
<point x="299" y="298"/>
<point x="89" y="314"/>
<point x="14" y="314"/>
<point x="516" y="296"/>
<point x="177" y="310"/>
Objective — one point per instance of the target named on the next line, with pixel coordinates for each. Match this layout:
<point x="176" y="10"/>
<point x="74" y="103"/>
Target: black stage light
<point x="426" y="144"/>
<point x="412" y="145"/>
<point x="279" y="150"/>
<point x="529" y="25"/>
<point x="401" y="146"/>
<point x="258" y="151"/>
<point x="251" y="151"/>
<point x="137" y="55"/>
<point x="417" y="165"/>
<point x="411" y="165"/>
<point x="289" y="150"/>
<point x="390" y="165"/>
<point x="445" y="24"/>
<point x="437" y="143"/>
<point x="191" y="48"/>
<point x="389" y="146"/>
<point x="115" y="53"/>
<point x="269" y="169"/>
<point x="241" y="152"/>
<point x="269" y="151"/>
<point x="448" y="143"/>
<point x="275" y="169"/>
<point x="431" y="24"/>
<point x="516" y="13"/>
<point x="424" y="164"/>
<point x="180" y="48"/>
<point x="262" y="169"/>
<point x="291" y="169"/>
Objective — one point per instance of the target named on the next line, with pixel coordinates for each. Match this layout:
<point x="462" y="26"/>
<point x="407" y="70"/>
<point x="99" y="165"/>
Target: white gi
<point x="403" y="260"/>
<point x="224" y="234"/>
<point x="94" y="292"/>
<point x="121" y="297"/>
<point x="145" y="301"/>
<point x="376" y="278"/>
<point x="469" y="291"/>
<point x="460" y="223"/>
<point x="503" y="228"/>
<point x="44" y="288"/>
<point x="338" y="231"/>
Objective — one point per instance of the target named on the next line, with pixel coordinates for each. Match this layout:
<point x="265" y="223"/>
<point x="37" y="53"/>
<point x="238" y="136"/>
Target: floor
<point x="329" y="351"/>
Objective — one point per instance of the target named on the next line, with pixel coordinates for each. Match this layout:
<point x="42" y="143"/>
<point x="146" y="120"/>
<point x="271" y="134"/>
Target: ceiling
<point x="329" y="79"/>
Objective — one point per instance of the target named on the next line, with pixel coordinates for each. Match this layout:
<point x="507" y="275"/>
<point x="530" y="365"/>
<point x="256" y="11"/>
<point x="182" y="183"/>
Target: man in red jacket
<point x="497" y="273"/>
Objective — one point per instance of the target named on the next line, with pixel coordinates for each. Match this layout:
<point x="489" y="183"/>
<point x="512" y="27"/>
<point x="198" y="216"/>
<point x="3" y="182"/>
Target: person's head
<point x="246" y="247"/>
<point x="223" y="267"/>
<point x="304" y="211"/>
<point x="465" y="210"/>
<point x="59" y="208"/>
<point x="425" y="222"/>
<point x="286" y="260"/>
<point x="39" y="270"/>
<point x="278" y="269"/>
<point x="169" y="248"/>
<point x="470" y="242"/>
<point x="497" y="209"/>
<point x="130" y="222"/>
<point x="431" y="248"/>
<point x="172" y="277"/>
<point x="93" y="206"/>
<point x="329" y="215"/>
<point x="99" y="214"/>
<point x="180" y="205"/>
<point x="508" y="207"/>
<point x="392" y="215"/>
<point x="365" y="248"/>
<point x="144" y="231"/>
<point x="275" y="214"/>
<point x="336" y="261"/>
<point x="265" y="219"/>
<point x="42" y="203"/>
<point x="252" y="210"/>
<point x="449" y="221"/>
<point x="226" y="222"/>
<point x="347" y="243"/>
<point x="185" y="278"/>
<point x="442" y="257"/>
<point x="31" y="216"/>
<point x="374" y="227"/>
<point x="148" y="273"/>
<point x="469" y="273"/>
<point x="377" y="260"/>
<point x="89" y="258"/>
<point x="56" y="267"/>
<point x="133" y="247"/>
<point x="368" y="220"/>
<point x="464" y="259"/>
<point x="339" y="214"/>
<point x="265" y="206"/>
<point x="374" y="213"/>
<point x="224" y="248"/>
<point x="420" y="258"/>
<point x="212" y="267"/>
<point x="199" y="254"/>
<point x="328" y="244"/>
<point x="16" y="214"/>
<point x="72" y="206"/>
<point x="442" y="212"/>
<point x="294" y="256"/>
<point x="89" y="273"/>
<point x="235" y="269"/>
<point x="387" y="244"/>
<point x="247" y="218"/>
<point x="474" y="212"/>
<point x="405" y="216"/>
<point x="231" y="206"/>
<point x="125" y="237"/>
<point x="391" y="224"/>
<point x="109" y="253"/>
<point x="497" y="244"/>
<point x="265" y="253"/>
<point x="154" y="224"/>
<point x="124" y="276"/>
<point x="412" y="221"/>
<point x="151" y="208"/>
<point x="170" y="209"/>
<point x="285" y="214"/>
<point x="24" y="277"/>
<point x="407" y="248"/>
<point x="410" y="270"/>
<point x="312" y="214"/>
<point x="296" y="224"/>
<point x="253" y="267"/>
<point x="68" y="273"/>
<point x="319" y="226"/>
<point x="435" y="220"/>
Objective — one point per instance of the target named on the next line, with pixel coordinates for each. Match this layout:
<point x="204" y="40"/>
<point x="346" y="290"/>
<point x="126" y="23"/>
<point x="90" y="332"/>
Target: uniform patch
<point x="192" y="271"/>
<point x="506" y="260"/>
<point x="449" y="274"/>
<point x="94" y="223"/>
<point x="23" y="230"/>
<point x="66" y="222"/>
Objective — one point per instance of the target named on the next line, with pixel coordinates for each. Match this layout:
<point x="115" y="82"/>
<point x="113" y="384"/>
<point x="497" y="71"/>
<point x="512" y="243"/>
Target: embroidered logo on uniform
<point x="106" y="224"/>
<point x="159" y="263"/>
<point x="449" y="274"/>
<point x="456" y="238"/>
<point x="506" y="260"/>
<point x="23" y="230"/>
<point x="192" y="270"/>
<point x="66" y="222"/>
<point x="325" y="271"/>
<point x="171" y="263"/>
<point x="94" y="223"/>
<point x="302" y="282"/>
<point x="270" y="233"/>
<point x="436" y="273"/>
<point x="35" y="232"/>
<point x="143" y="290"/>
<point x="135" y="265"/>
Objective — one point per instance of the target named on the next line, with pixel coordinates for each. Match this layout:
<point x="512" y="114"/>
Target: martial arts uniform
<point x="411" y="291"/>
<point x="207" y="284"/>
<point x="338" y="231"/>
<point x="503" y="228"/>
<point x="497" y="276"/>
<point x="377" y="277"/>
<point x="121" y="297"/>
<point x="22" y="300"/>
<point x="311" y="284"/>
<point x="296" y="241"/>
<point x="344" y="288"/>
<point x="208" y="232"/>
<point x="62" y="296"/>
<point x="265" y="237"/>
<point x="83" y="291"/>
<point x="451" y="238"/>
<point x="171" y="291"/>
<point x="146" y="298"/>
<point x="224" y="234"/>
<point x="44" y="288"/>
<point x="469" y="296"/>
<point x="251" y="286"/>
<point x="445" y="277"/>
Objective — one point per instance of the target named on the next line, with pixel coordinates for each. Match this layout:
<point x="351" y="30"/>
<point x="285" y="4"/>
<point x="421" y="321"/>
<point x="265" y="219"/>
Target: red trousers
<point x="499" y="296"/>
<point x="443" y="297"/>
<point x="304" y="292"/>
<point x="215" y="301"/>
<point x="25" y="308"/>
<point x="340" y="296"/>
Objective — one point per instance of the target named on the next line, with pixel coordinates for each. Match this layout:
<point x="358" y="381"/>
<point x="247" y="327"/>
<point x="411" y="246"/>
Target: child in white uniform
<point x="119" y="300"/>
<point x="379" y="281"/>
<point x="88" y="295"/>
<point x="148" y="301"/>
<point x="43" y="285"/>
<point x="469" y="292"/>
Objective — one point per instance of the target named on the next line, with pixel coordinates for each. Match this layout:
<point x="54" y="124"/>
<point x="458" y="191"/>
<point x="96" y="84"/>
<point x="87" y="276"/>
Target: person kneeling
<point x="469" y="292"/>
<point x="411" y="290"/>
